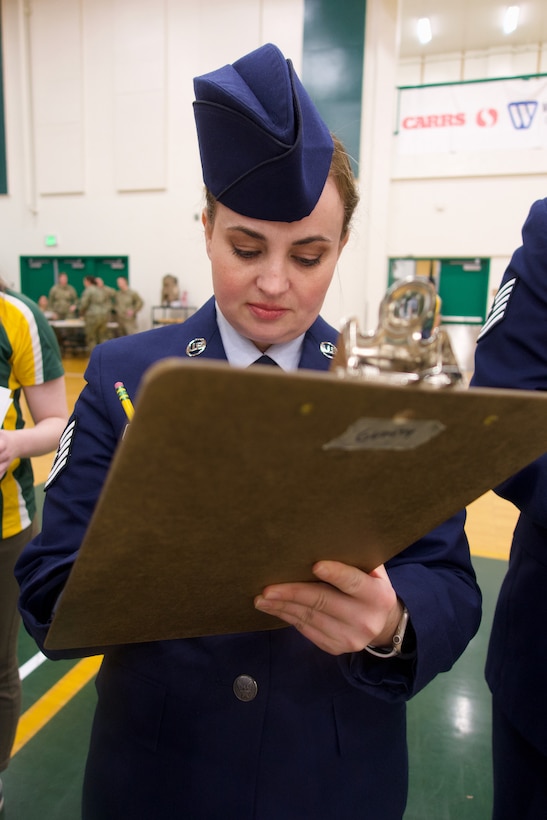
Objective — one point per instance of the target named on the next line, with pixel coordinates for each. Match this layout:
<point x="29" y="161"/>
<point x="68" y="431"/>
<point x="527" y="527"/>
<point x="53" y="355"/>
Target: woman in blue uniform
<point x="307" y="721"/>
<point x="512" y="352"/>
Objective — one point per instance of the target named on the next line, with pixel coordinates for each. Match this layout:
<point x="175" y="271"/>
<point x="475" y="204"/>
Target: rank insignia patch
<point x="62" y="455"/>
<point x="498" y="308"/>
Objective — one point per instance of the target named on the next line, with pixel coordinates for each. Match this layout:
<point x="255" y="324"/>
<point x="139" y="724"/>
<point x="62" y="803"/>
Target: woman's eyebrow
<point x="247" y="231"/>
<point x="307" y="240"/>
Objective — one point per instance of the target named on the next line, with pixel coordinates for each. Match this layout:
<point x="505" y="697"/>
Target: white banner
<point x="474" y="116"/>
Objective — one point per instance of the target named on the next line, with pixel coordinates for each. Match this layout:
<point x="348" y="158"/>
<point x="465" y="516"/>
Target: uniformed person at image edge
<point x="511" y="353"/>
<point x="34" y="402"/>
<point x="305" y="721"/>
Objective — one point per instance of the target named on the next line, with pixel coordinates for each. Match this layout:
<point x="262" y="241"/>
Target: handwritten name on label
<point x="386" y="434"/>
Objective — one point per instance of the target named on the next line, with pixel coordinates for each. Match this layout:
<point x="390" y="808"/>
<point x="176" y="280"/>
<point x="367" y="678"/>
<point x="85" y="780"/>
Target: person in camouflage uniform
<point x="96" y="309"/>
<point x="63" y="299"/>
<point x="127" y="304"/>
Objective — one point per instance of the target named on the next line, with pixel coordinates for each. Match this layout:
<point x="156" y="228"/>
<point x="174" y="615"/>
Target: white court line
<point x="32" y="664"/>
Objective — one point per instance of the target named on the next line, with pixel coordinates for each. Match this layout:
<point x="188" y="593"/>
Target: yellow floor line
<point x="36" y="717"/>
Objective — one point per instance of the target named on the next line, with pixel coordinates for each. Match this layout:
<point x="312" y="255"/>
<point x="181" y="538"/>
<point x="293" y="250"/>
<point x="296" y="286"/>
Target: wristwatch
<point x="397" y="641"/>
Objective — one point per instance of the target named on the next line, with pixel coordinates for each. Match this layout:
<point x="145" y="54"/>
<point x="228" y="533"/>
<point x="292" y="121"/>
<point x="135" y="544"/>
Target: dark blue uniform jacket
<point x="324" y="737"/>
<point x="512" y="352"/>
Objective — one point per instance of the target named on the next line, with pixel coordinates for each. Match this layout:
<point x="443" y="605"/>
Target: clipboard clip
<point x="407" y="348"/>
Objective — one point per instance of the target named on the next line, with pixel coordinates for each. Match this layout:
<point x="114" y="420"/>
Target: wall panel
<point x="56" y="64"/>
<point x="140" y="95"/>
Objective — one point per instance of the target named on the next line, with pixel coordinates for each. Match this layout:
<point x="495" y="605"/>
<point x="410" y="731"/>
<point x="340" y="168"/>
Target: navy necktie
<point x="265" y="360"/>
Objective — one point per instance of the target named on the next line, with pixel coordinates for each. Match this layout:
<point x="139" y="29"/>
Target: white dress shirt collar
<point x="241" y="352"/>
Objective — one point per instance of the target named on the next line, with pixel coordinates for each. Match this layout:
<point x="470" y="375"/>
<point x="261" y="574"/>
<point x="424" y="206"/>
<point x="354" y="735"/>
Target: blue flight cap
<point x="265" y="151"/>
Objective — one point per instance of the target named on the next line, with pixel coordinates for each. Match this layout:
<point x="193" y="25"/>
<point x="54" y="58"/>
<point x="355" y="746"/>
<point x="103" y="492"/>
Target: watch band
<point x="397" y="641"/>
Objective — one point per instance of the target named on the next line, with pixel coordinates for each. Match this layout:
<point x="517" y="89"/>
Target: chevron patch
<point x="499" y="306"/>
<point x="62" y="455"/>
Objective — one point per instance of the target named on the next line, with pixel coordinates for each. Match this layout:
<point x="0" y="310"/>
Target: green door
<point x="463" y="288"/>
<point x="109" y="268"/>
<point x="76" y="267"/>
<point x="38" y="275"/>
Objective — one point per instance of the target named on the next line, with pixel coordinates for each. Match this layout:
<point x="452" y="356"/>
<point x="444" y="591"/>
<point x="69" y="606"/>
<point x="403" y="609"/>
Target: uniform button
<point x="245" y="688"/>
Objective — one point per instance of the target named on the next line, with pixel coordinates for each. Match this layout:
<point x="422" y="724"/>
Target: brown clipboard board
<point x="228" y="480"/>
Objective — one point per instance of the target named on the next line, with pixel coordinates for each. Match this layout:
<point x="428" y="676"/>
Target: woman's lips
<point x="267" y="313"/>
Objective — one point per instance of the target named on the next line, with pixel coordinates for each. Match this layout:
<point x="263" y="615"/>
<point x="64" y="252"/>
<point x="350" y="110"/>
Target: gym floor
<point x="448" y="723"/>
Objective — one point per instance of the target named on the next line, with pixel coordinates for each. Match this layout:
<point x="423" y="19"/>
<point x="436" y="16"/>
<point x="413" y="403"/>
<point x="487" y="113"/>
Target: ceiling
<point x="469" y="25"/>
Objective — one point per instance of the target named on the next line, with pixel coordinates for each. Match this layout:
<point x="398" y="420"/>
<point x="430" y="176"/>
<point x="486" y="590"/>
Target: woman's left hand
<point x="8" y="450"/>
<point x="344" y="612"/>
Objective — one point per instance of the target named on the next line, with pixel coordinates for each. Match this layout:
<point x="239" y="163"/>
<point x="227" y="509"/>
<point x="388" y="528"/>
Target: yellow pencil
<point x="125" y="400"/>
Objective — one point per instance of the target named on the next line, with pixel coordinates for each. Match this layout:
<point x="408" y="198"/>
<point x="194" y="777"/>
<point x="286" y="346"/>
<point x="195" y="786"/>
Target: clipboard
<point x="228" y="480"/>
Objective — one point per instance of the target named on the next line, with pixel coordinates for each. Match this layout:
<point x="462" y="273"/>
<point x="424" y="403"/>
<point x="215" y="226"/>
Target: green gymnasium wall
<point x="3" y="170"/>
<point x="332" y="67"/>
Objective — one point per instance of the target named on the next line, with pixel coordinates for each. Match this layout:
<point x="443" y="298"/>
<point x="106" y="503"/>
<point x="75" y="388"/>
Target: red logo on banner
<point x="487" y="117"/>
<point x="434" y="121"/>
